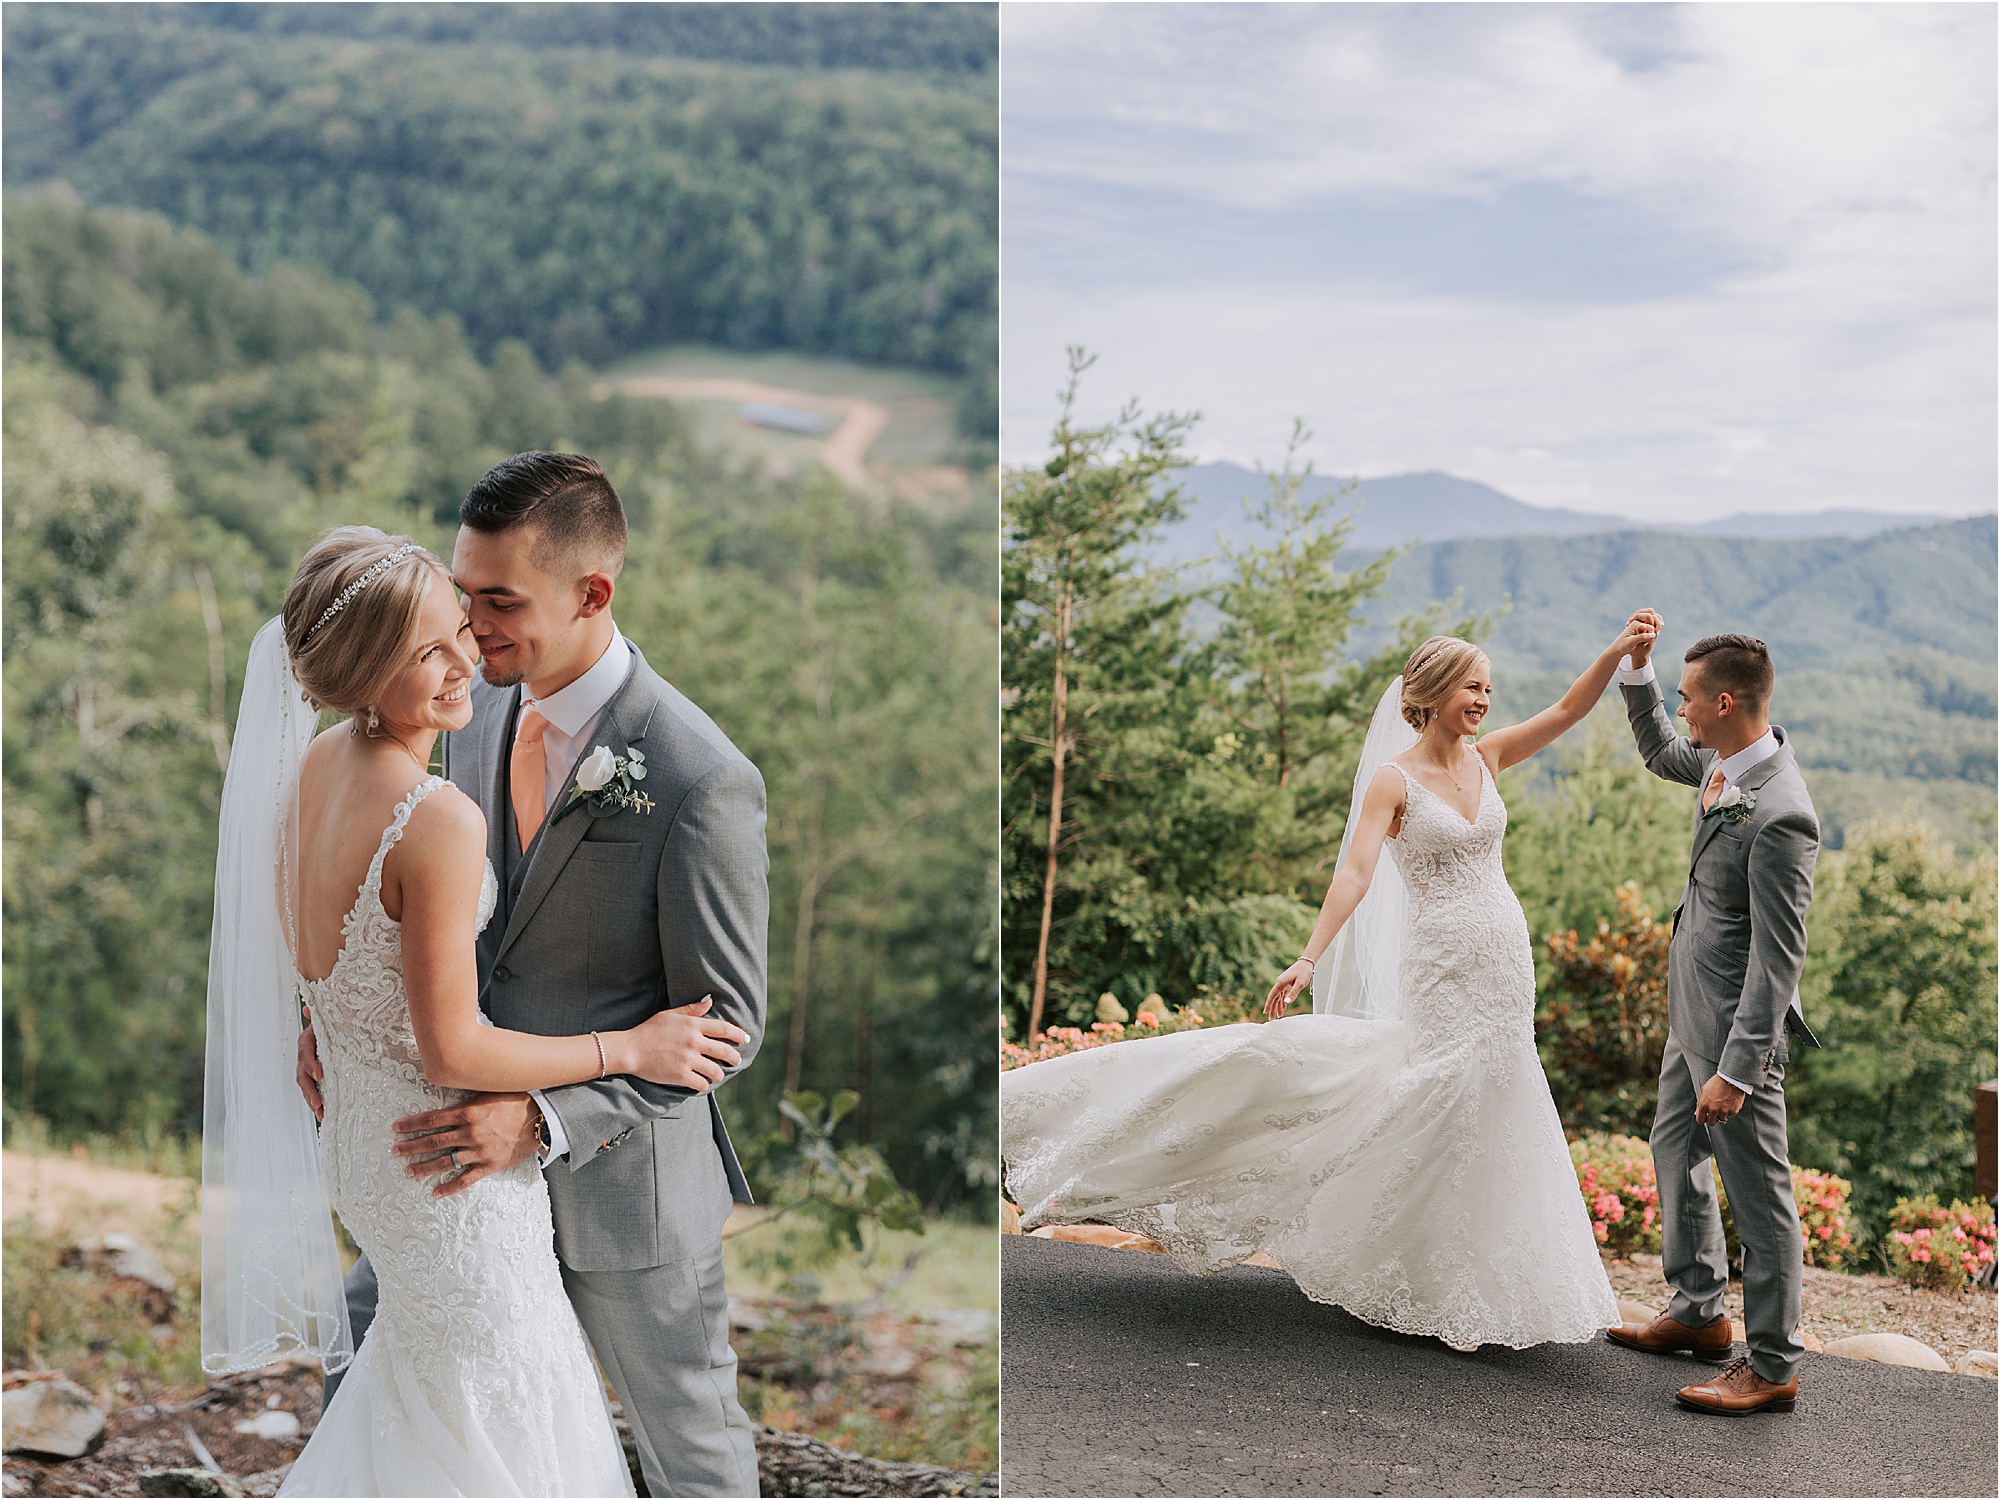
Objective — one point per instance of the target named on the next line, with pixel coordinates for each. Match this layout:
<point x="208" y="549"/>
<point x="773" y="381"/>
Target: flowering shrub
<point x="1058" y="1041"/>
<point x="1615" y="1173"/>
<point x="1602" y="1021"/>
<point x="1822" y="1201"/>
<point x="1930" y="1245"/>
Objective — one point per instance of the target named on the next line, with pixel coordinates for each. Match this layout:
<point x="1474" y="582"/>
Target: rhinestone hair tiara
<point x="347" y="594"/>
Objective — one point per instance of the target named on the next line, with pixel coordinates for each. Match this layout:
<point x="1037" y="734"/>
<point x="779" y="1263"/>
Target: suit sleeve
<point x="714" y="906"/>
<point x="1667" y="755"/>
<point x="1782" y="854"/>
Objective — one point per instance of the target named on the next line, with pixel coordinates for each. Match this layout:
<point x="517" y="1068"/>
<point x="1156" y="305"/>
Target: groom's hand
<point x="489" y="1133"/>
<point x="1645" y="624"/>
<point x="1719" y="1100"/>
<point x="310" y="1073"/>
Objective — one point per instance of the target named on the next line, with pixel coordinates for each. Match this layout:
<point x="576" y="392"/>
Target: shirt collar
<point x="1753" y="754"/>
<point x="569" y="710"/>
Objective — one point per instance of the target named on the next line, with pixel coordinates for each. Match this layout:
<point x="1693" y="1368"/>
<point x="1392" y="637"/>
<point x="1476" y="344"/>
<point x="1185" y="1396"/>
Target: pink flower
<point x="1825" y="1230"/>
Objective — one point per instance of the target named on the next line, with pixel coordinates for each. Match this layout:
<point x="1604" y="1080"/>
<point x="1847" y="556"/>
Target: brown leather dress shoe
<point x="1739" y="1390"/>
<point x="1663" y="1335"/>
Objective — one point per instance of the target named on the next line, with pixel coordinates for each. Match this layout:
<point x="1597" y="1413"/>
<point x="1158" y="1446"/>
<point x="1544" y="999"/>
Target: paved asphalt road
<point x="1124" y="1376"/>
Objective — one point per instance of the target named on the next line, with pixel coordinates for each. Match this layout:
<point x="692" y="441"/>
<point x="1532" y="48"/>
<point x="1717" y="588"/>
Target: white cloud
<point x="1826" y="173"/>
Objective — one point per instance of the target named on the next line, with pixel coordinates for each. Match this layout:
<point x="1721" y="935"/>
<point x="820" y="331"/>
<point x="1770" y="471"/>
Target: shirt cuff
<point x="1741" y="1088"/>
<point x="1632" y="676"/>
<point x="558" y="1137"/>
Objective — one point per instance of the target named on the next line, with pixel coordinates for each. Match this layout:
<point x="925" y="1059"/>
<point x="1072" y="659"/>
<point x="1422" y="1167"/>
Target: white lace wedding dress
<point x="1412" y="1172"/>
<point x="474" y="1378"/>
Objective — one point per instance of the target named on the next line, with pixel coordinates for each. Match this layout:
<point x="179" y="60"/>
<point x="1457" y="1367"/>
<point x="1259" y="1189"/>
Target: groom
<point x="603" y="920"/>
<point x="1739" y="942"/>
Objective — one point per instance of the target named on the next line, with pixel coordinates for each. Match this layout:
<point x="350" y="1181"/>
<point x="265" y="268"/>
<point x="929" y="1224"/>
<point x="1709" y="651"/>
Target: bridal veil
<point x="270" y="1266"/>
<point x="1361" y="974"/>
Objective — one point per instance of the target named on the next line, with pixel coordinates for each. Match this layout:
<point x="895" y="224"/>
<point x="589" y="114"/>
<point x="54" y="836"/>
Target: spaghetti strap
<point x="393" y="834"/>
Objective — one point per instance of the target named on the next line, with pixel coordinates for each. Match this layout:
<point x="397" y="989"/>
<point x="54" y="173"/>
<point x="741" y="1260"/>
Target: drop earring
<point x="374" y="722"/>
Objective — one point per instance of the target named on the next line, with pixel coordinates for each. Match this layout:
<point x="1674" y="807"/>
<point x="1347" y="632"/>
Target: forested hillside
<point x="1884" y="644"/>
<point x="586" y="179"/>
<point x="177" y="431"/>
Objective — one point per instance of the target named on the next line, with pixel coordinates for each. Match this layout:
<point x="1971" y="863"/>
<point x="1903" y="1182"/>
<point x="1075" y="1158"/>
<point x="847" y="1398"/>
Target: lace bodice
<point x="1440" y="855"/>
<point x="1468" y="977"/>
<point x="474" y="1378"/>
<point x="362" y="996"/>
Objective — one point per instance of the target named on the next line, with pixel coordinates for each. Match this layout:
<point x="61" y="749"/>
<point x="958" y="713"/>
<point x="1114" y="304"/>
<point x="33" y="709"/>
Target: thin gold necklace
<point x="422" y="764"/>
<point x="1450" y="775"/>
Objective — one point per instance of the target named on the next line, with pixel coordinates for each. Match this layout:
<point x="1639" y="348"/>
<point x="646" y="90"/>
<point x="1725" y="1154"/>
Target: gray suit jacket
<point x="604" y="921"/>
<point x="1739" y="935"/>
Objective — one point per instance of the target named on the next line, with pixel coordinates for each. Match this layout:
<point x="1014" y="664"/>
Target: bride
<point x="1397" y="1151"/>
<point x="475" y="1378"/>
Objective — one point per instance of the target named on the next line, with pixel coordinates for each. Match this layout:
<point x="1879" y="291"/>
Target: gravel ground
<point x="1837" y="1303"/>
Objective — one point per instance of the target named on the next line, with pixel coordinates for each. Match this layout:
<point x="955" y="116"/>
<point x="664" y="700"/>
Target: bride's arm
<point x="1514" y="744"/>
<point x="436" y="870"/>
<point x="1380" y="808"/>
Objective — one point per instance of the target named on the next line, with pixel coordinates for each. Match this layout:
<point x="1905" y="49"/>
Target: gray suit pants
<point x="662" y="1335"/>
<point x="1750" y="1152"/>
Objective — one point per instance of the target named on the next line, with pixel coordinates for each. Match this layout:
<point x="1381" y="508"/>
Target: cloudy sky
<point x="1675" y="262"/>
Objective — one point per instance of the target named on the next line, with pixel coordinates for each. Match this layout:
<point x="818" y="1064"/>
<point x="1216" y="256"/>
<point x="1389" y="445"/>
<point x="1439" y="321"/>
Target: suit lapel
<point x="496" y="747"/>
<point x="625" y="720"/>
<point x="1707" y="823"/>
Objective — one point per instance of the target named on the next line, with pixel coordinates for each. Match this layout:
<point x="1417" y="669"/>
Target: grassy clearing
<point x="957" y="1265"/>
<point x="922" y="406"/>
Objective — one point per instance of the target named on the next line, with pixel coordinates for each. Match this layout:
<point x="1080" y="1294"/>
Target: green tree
<point x="1073" y="612"/>
<point x="1899" y="986"/>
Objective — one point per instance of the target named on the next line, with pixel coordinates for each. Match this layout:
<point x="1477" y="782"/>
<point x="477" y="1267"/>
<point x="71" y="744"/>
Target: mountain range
<point x="1434" y="507"/>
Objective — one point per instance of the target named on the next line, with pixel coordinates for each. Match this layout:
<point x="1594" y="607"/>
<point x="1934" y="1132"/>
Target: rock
<point x="890" y="1361"/>
<point x="1979" y="1362"/>
<point x="1099" y="1234"/>
<point x="273" y="1426"/>
<point x="1108" y="1009"/>
<point x="1153" y="1005"/>
<point x="266" y="1484"/>
<point x="747" y="1316"/>
<point x="1889" y="1349"/>
<point x="1010" y="1218"/>
<point x="187" y="1482"/>
<point x="1261" y="1259"/>
<point x="1811" y="1341"/>
<point x="52" y="1419"/>
<point x="965" y="1327"/>
<point x="1636" y="1312"/>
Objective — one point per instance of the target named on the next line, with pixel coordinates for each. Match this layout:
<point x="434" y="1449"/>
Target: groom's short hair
<point x="1739" y="665"/>
<point x="577" y="515"/>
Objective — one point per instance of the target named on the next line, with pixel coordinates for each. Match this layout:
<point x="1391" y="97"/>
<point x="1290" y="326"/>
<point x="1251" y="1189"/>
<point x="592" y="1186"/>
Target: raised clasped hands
<point x="1295" y="979"/>
<point x="1637" y="639"/>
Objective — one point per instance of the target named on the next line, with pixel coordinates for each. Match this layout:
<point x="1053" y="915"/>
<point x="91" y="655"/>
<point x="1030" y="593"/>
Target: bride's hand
<point x="684" y="1047"/>
<point x="1636" y="639"/>
<point x="1298" y="977"/>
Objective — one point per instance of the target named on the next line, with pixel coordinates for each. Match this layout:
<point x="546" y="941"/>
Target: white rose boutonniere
<point x="595" y="774"/>
<point x="607" y="783"/>
<point x="1736" y="805"/>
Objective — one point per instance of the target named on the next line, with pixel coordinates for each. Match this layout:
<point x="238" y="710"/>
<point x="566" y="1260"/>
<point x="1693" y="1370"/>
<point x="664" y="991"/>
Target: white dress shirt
<point x="573" y="714"/>
<point x="1732" y="767"/>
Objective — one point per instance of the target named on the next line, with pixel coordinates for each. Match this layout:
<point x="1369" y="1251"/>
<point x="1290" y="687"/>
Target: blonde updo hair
<point x="1435" y="669"/>
<point x="345" y="663"/>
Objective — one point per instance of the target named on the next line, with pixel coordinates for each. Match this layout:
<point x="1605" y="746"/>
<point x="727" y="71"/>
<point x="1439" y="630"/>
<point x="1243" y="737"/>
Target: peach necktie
<point x="1713" y="790"/>
<point x="527" y="777"/>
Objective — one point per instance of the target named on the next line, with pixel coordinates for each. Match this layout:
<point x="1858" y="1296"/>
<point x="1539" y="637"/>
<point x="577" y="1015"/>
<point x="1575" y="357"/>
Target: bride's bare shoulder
<point x="450" y="817"/>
